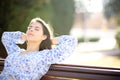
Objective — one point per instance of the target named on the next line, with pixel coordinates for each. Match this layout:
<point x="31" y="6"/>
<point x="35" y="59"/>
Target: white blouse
<point x="34" y="65"/>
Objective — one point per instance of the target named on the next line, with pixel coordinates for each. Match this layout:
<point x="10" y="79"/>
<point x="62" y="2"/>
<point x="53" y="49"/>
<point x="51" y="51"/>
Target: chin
<point x="29" y="40"/>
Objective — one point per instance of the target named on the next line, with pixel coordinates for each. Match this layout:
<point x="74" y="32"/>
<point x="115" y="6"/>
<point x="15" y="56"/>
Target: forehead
<point x="37" y="24"/>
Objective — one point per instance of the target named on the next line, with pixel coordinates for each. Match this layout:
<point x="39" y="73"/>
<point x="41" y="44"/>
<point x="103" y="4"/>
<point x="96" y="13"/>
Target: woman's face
<point x="35" y="32"/>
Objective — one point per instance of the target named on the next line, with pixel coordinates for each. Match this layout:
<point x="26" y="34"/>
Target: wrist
<point x="55" y="41"/>
<point x="23" y="37"/>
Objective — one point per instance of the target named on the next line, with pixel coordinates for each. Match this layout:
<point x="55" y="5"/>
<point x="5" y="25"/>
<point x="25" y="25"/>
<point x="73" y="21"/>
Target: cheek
<point x="38" y="36"/>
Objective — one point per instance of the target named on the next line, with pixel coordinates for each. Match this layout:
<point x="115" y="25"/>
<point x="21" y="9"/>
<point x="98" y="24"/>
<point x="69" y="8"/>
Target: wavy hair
<point x="45" y="44"/>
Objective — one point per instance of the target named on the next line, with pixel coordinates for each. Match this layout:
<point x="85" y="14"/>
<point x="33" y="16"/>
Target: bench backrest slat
<point x="62" y="71"/>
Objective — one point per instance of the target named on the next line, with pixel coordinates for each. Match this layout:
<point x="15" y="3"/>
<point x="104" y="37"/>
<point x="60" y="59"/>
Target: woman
<point x="34" y="62"/>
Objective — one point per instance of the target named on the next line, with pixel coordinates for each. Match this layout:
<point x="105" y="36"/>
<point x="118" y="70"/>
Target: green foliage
<point x="81" y="39"/>
<point x="24" y="11"/>
<point x="5" y="11"/>
<point x="63" y="15"/>
<point x="92" y="39"/>
<point x="111" y="8"/>
<point x="117" y="37"/>
<point x="16" y="14"/>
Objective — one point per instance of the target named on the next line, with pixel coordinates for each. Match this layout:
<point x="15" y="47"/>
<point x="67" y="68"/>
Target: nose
<point x="31" y="29"/>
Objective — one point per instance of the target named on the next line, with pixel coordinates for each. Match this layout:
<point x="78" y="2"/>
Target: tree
<point x="16" y="15"/>
<point x="111" y="8"/>
<point x="63" y="16"/>
<point x="23" y="11"/>
<point x="5" y="11"/>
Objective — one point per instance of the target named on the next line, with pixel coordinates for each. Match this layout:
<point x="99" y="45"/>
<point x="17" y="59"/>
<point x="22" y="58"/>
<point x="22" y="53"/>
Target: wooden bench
<point x="67" y="72"/>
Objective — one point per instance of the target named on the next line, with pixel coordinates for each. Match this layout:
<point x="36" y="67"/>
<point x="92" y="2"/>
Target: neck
<point x="33" y="46"/>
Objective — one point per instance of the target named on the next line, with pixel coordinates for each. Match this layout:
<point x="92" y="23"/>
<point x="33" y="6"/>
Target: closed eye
<point x="35" y="28"/>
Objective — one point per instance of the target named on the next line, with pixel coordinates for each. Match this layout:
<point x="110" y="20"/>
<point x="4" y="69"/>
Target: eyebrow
<point x="37" y="27"/>
<point x="34" y="26"/>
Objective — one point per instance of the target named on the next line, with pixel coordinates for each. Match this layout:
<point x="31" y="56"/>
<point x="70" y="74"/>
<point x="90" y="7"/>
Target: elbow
<point x="3" y="36"/>
<point x="74" y="41"/>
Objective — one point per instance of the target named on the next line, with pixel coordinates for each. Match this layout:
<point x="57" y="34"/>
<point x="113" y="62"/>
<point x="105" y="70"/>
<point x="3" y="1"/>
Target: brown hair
<point x="45" y="44"/>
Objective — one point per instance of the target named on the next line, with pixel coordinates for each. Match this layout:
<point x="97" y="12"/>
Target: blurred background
<point x="95" y="23"/>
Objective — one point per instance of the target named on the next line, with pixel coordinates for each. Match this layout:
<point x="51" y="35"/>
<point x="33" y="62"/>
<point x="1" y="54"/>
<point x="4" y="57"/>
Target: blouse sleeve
<point x="10" y="41"/>
<point x="63" y="50"/>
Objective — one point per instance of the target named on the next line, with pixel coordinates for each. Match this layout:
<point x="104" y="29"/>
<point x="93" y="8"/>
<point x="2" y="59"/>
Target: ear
<point x="44" y="37"/>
